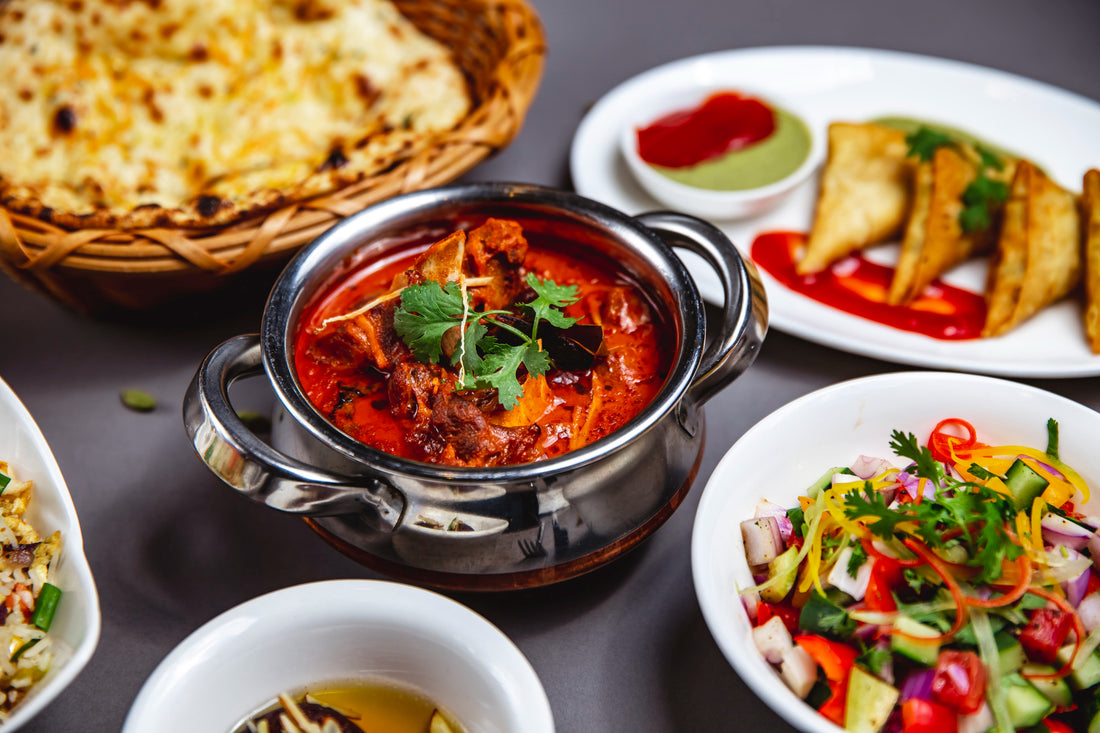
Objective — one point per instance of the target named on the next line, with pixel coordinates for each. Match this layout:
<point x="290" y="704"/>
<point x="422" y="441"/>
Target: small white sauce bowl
<point x="299" y="637"/>
<point x="709" y="204"/>
<point x="787" y="451"/>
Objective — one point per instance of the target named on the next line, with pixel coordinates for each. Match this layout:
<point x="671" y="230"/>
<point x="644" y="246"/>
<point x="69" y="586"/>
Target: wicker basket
<point x="499" y="45"/>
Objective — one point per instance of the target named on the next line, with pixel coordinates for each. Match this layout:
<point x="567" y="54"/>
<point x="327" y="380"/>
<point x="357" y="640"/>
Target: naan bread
<point x="1038" y="256"/>
<point x="1090" y="224"/>
<point x="865" y="193"/>
<point x="934" y="240"/>
<point x="130" y="113"/>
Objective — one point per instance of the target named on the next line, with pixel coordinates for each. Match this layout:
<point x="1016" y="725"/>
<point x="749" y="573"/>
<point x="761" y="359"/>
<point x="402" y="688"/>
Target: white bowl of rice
<point x="43" y="565"/>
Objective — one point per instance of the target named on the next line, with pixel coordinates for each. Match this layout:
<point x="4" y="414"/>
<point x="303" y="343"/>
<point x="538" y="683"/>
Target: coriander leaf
<point x="1052" y="438"/>
<point x="498" y="371"/>
<point x="906" y="446"/>
<point x="427" y="311"/>
<point x="979" y="198"/>
<point x="551" y="297"/>
<point x="467" y="356"/>
<point x="989" y="159"/>
<point x="924" y="142"/>
<point x="856" y="507"/>
<point x="914" y="580"/>
<point x="536" y="360"/>
<point x="875" y="658"/>
<point x="856" y="559"/>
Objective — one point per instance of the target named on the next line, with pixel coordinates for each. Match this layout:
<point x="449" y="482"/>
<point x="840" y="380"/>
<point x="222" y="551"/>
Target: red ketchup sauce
<point x="640" y="344"/>
<point x="723" y="123"/>
<point x="858" y="286"/>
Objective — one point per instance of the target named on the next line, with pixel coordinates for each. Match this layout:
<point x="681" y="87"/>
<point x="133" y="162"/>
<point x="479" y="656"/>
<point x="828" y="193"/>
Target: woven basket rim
<point x="36" y="247"/>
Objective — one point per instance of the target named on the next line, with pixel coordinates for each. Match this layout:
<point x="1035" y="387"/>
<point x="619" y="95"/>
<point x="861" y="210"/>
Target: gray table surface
<point x="622" y="649"/>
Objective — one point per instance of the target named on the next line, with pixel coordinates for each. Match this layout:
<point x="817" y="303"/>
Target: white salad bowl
<point x="663" y="98"/>
<point x="76" y="625"/>
<point x="786" y="452"/>
<point x="340" y="630"/>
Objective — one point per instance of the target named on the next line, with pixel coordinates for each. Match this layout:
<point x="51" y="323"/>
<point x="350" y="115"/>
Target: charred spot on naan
<point x="865" y="193"/>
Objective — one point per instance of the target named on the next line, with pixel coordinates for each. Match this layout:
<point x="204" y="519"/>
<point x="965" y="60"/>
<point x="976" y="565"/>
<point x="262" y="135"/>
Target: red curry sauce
<point x="582" y="406"/>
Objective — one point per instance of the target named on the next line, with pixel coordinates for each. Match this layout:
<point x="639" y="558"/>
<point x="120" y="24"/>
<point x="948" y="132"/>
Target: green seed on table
<point x="138" y="400"/>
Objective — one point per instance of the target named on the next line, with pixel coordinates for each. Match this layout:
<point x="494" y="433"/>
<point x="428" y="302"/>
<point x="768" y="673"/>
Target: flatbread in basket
<point x="198" y="137"/>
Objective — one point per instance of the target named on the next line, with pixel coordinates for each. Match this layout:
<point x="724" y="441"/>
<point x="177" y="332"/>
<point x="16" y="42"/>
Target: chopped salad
<point x="951" y="589"/>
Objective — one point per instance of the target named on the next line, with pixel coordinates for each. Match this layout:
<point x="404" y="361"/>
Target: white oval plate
<point x="335" y="630"/>
<point x="1053" y="127"/>
<point x="787" y="451"/>
<point x="76" y="625"/>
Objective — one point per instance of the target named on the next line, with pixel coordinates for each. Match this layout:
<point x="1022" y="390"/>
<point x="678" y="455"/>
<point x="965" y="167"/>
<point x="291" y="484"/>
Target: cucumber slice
<point x="785" y="569"/>
<point x="1024" y="483"/>
<point x="1086" y="674"/>
<point x="1056" y="689"/>
<point x="869" y="702"/>
<point x="1026" y="705"/>
<point x="1010" y="652"/>
<point x="924" y="652"/>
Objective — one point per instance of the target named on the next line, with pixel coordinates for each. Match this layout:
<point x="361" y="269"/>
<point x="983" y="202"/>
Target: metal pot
<point x="525" y="525"/>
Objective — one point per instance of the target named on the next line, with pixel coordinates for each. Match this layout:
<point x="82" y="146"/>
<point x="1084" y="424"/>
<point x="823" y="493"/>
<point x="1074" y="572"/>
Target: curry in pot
<point x="492" y="346"/>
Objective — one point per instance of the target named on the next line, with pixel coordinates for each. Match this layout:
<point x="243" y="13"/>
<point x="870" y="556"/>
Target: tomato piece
<point x="886" y="574"/>
<point x="787" y="613"/>
<point x="1044" y="633"/>
<point x="959" y="680"/>
<point x="834" y="657"/>
<point x="926" y="716"/>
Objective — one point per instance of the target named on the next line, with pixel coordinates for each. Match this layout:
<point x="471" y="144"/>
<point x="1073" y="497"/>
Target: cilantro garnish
<point x="906" y="446"/>
<point x="875" y="658"/>
<point x="924" y="142"/>
<point x="982" y="195"/>
<point x="856" y="560"/>
<point x="1052" y="438"/>
<point x="429" y="310"/>
<point x="977" y="514"/>
<point x="979" y="198"/>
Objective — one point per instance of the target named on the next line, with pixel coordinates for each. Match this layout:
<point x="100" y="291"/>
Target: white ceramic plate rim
<point x="366" y="600"/>
<point x="854" y="415"/>
<point x="51" y="508"/>
<point x="833" y="83"/>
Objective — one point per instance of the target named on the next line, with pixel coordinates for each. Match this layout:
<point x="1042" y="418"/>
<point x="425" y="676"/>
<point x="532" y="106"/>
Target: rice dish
<point x="27" y="597"/>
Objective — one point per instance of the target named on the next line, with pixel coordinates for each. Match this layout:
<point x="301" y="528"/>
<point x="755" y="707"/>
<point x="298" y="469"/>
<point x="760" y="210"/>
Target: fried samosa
<point x="1038" y="256"/>
<point x="865" y="193"/>
<point x="1090" y="224"/>
<point x="934" y="239"/>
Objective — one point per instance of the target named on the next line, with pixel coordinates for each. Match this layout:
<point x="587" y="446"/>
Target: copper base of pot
<point x="522" y="579"/>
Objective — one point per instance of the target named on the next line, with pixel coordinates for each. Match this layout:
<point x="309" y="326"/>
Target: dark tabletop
<point x="622" y="649"/>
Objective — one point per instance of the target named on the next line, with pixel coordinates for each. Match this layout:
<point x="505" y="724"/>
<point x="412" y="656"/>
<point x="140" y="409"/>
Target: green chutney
<point x="762" y="163"/>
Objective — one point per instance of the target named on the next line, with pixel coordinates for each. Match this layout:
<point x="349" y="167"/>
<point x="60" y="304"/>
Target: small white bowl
<point x="708" y="204"/>
<point x="76" y="625"/>
<point x="336" y="630"/>
<point x="787" y="451"/>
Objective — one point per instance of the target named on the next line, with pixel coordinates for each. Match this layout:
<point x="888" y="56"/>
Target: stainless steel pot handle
<point x="255" y="469"/>
<point x="745" y="312"/>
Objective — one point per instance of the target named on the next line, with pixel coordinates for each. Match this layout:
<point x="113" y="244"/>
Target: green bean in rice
<point x="27" y="597"/>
